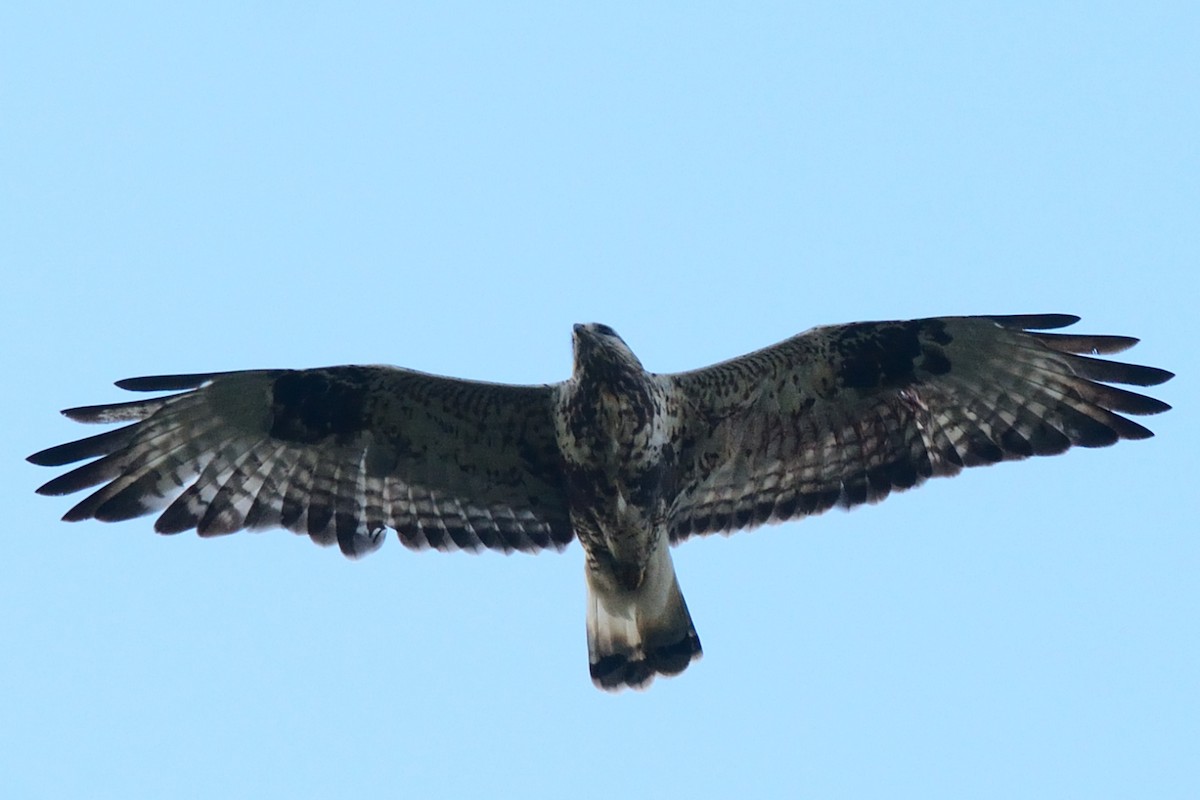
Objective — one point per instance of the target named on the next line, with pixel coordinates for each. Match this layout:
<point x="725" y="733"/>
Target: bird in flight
<point x="628" y="461"/>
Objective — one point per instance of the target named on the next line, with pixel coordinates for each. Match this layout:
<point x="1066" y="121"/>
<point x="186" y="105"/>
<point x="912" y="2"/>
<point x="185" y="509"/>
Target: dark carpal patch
<point x="934" y="361"/>
<point x="646" y="484"/>
<point x="311" y="405"/>
<point x="889" y="354"/>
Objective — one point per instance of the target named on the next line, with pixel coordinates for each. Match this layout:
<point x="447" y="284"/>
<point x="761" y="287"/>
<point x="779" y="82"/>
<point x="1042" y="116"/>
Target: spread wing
<point x="845" y="414"/>
<point x="339" y="453"/>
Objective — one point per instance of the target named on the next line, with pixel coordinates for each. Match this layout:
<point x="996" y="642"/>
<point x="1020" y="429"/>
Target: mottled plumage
<point x="627" y="460"/>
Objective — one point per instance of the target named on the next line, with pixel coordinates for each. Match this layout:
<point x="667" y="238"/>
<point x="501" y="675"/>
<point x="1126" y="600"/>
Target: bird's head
<point x="600" y="351"/>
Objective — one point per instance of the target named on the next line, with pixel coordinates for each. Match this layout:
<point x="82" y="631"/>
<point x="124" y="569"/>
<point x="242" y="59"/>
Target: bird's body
<point x="628" y="461"/>
<point x="616" y="430"/>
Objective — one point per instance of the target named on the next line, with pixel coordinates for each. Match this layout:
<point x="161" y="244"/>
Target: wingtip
<point x="82" y="413"/>
<point x="1160" y="376"/>
<point x="77" y="513"/>
<point x="165" y="383"/>
<point x="1035" y="322"/>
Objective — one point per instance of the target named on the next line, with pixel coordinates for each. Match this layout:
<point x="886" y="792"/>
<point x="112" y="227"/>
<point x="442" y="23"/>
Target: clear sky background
<point x="239" y="185"/>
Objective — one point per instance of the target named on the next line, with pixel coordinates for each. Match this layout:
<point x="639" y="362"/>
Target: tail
<point x="635" y="635"/>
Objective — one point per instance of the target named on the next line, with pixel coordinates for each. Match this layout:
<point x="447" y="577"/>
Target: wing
<point x="845" y="414"/>
<point x="339" y="453"/>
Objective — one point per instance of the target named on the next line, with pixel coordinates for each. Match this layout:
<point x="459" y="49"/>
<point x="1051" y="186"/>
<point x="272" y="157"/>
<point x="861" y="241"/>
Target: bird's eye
<point x="604" y="329"/>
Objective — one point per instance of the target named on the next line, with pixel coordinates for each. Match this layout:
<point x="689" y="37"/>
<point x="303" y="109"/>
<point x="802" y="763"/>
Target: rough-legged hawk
<point x="628" y="461"/>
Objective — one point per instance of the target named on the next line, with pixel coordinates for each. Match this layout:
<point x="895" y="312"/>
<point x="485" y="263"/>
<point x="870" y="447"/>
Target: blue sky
<point x="449" y="188"/>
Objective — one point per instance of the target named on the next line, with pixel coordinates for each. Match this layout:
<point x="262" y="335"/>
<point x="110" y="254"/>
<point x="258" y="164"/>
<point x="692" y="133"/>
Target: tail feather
<point x="634" y="635"/>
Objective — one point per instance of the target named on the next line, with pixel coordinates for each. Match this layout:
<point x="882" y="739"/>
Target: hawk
<point x="629" y="462"/>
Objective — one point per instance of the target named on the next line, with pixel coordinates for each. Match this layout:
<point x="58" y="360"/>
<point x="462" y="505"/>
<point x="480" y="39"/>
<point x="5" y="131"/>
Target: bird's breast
<point x="613" y="445"/>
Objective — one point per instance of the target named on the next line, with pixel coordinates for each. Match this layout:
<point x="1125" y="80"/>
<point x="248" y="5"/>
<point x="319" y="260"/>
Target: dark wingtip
<point x="70" y="452"/>
<point x="166" y="383"/>
<point x="1140" y="375"/>
<point x="79" y="413"/>
<point x="1133" y="431"/>
<point x="1035" y="322"/>
<point x="1155" y="376"/>
<point x="122" y="506"/>
<point x="45" y="458"/>
<point x="78" y="512"/>
<point x="1083" y="344"/>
